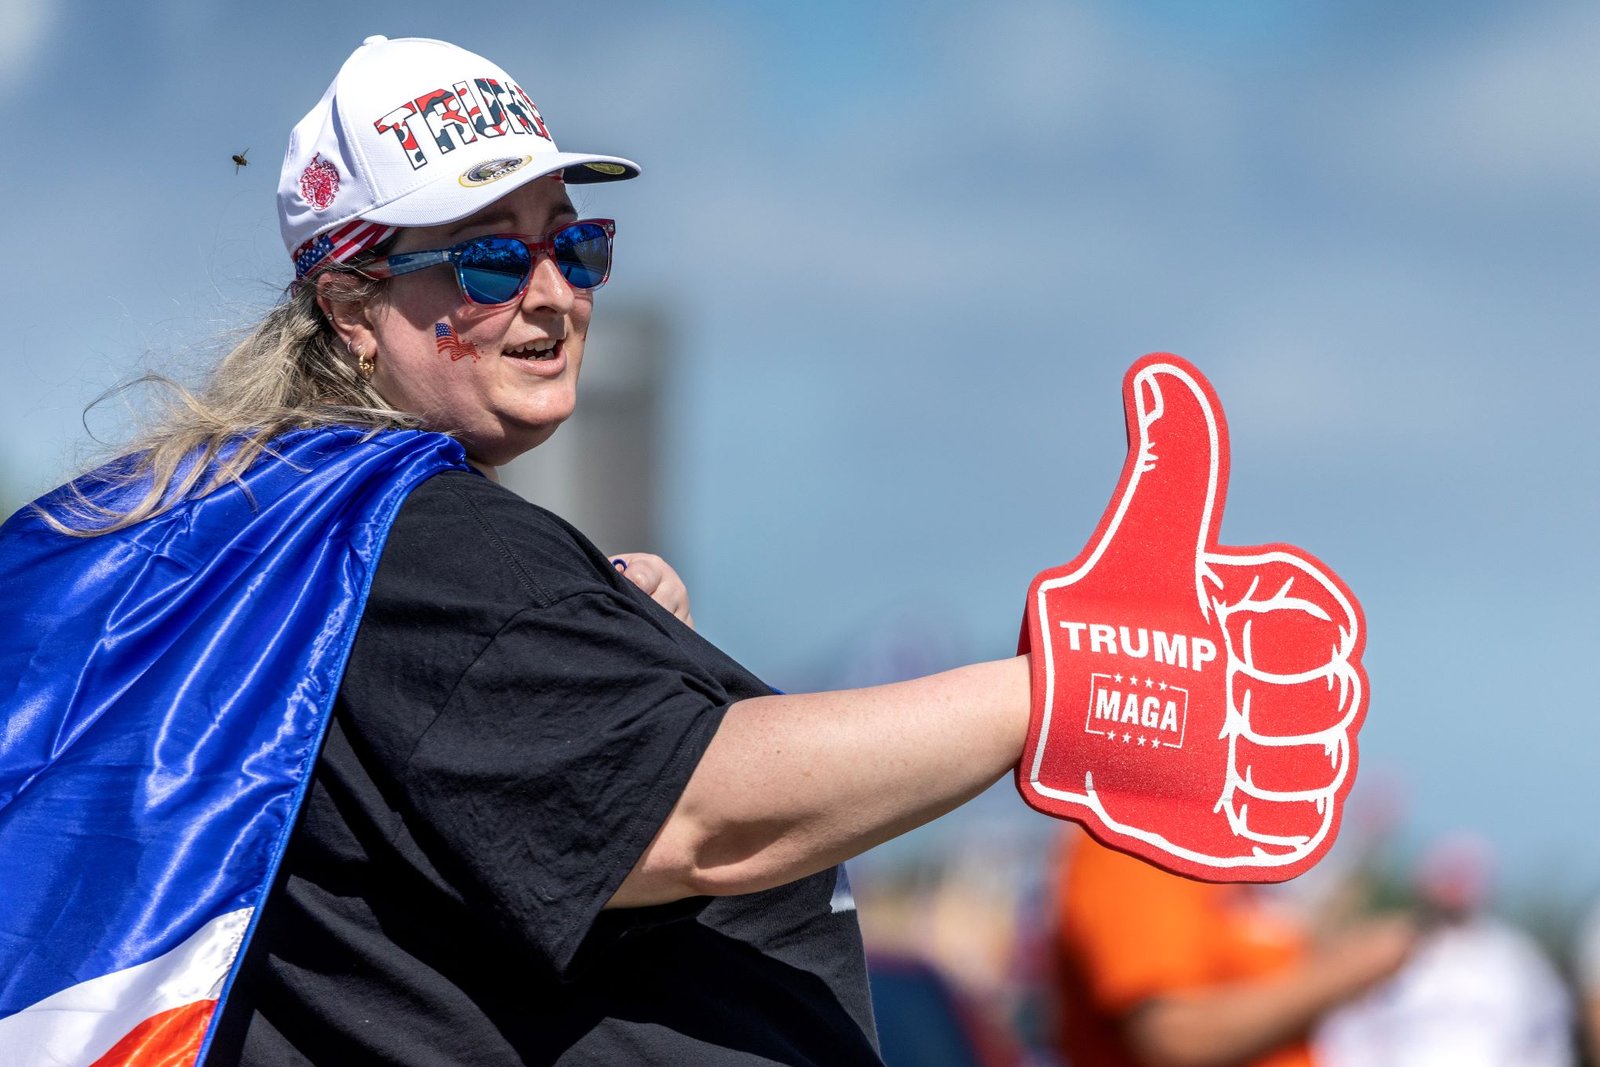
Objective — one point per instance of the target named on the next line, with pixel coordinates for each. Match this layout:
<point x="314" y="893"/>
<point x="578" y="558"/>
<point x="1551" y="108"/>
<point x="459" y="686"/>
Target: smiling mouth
<point x="537" y="351"/>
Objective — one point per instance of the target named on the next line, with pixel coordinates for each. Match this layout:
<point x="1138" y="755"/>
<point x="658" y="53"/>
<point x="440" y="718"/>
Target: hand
<point x="1194" y="704"/>
<point x="1361" y="956"/>
<point x="659" y="581"/>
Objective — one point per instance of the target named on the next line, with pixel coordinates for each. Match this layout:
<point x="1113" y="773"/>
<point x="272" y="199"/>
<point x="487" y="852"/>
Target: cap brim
<point x="451" y="198"/>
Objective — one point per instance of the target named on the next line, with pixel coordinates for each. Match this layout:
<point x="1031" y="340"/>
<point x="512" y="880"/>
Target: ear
<point x="349" y="313"/>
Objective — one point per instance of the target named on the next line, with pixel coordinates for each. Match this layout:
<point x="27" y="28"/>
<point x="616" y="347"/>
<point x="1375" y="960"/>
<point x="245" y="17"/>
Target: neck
<point x="491" y="473"/>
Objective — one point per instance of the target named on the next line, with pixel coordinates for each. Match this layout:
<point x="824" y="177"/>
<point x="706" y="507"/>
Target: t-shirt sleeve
<point x="557" y="758"/>
<point x="1133" y="931"/>
<point x="535" y="715"/>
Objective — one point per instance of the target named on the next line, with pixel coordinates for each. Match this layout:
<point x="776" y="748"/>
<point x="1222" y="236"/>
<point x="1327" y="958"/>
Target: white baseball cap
<point x="413" y="132"/>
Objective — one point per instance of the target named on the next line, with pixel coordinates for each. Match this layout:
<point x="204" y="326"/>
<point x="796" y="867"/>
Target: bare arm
<point x="1591" y="1025"/>
<point x="791" y="785"/>
<point x="1229" y="1025"/>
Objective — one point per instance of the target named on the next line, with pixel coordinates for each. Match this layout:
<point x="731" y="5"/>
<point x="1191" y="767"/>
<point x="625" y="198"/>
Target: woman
<point x="548" y="822"/>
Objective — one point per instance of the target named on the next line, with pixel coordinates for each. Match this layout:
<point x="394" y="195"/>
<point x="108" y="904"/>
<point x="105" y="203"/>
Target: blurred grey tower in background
<point x="602" y="470"/>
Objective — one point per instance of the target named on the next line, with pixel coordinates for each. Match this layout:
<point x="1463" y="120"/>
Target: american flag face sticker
<point x="445" y="339"/>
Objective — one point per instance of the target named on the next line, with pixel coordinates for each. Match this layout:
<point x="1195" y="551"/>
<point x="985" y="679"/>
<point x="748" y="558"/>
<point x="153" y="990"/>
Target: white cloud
<point x="1504" y="114"/>
<point x="1054" y="63"/>
<point x="1023" y="109"/>
<point x="24" y="26"/>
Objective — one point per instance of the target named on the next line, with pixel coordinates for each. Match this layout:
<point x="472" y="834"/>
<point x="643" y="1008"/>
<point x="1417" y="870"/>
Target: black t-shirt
<point x="515" y="723"/>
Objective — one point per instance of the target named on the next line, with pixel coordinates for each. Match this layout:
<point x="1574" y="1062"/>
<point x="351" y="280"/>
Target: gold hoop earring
<point x="366" y="363"/>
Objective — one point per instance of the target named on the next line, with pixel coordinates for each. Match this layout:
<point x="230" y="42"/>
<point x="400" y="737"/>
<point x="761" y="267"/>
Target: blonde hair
<point x="291" y="371"/>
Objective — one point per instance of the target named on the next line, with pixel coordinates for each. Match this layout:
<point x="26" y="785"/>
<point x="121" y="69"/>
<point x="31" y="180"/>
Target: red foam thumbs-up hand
<point x="1194" y="704"/>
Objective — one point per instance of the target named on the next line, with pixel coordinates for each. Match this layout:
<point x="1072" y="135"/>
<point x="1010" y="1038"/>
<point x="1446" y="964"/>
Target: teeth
<point x="541" y="349"/>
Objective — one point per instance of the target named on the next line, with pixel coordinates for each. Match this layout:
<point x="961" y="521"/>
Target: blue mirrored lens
<point x="583" y="252"/>
<point x="493" y="269"/>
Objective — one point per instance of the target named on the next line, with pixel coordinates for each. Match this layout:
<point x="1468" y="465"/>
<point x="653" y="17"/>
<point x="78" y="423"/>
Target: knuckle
<point x="1285" y="643"/>
<point x="1297" y="820"/>
<point x="1289" y="773"/>
<point x="1311" y="709"/>
<point x="1281" y="613"/>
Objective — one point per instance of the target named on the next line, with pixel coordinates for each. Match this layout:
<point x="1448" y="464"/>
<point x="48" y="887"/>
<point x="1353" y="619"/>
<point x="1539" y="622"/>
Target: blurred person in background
<point x="1154" y="970"/>
<point x="1476" y="992"/>
<point x="1586" y="958"/>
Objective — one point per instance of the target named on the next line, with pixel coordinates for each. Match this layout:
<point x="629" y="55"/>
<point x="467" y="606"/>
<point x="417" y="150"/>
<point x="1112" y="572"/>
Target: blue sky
<point x="907" y="250"/>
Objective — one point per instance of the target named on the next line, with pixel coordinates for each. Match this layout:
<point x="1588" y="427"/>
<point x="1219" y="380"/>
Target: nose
<point x="547" y="290"/>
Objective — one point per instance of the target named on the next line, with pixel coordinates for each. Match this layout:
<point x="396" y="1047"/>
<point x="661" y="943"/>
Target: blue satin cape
<point x="165" y="690"/>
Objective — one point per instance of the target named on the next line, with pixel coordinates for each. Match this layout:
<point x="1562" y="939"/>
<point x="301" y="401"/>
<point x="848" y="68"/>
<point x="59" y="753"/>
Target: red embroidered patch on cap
<point x="319" y="183"/>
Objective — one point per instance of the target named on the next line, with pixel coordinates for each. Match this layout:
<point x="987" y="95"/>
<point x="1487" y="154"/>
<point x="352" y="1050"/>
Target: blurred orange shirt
<point x="1127" y="932"/>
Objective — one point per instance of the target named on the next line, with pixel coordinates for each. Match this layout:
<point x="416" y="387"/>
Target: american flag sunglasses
<point x="495" y="268"/>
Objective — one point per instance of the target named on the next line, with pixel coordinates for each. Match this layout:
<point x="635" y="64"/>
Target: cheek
<point x="422" y="367"/>
<point x="423" y="296"/>
<point x="582" y="312"/>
